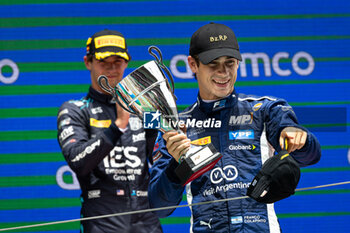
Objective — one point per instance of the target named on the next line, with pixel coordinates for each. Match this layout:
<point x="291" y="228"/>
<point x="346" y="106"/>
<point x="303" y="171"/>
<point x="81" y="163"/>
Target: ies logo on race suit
<point x="123" y="163"/>
<point x="151" y="120"/>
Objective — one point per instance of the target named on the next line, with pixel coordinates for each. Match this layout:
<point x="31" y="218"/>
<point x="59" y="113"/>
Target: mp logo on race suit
<point x="241" y="120"/>
<point x="228" y="173"/>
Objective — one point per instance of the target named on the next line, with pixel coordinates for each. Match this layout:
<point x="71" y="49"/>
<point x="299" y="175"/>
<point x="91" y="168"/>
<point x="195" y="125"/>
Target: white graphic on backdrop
<point x="60" y="181"/>
<point x="254" y="59"/>
<point x="15" y="71"/>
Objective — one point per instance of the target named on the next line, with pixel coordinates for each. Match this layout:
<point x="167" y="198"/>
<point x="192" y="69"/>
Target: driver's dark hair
<point x="89" y="57"/>
<point x="196" y="59"/>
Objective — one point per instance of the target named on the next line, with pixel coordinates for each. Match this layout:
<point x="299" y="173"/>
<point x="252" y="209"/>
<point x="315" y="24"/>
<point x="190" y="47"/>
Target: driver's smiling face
<point x="216" y="79"/>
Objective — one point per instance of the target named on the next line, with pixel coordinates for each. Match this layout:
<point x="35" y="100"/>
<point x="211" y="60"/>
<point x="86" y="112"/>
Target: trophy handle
<point x="159" y="61"/>
<point x="106" y="87"/>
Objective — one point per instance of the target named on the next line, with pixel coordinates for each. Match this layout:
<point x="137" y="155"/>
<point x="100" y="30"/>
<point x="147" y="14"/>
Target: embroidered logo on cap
<point x="218" y="38"/>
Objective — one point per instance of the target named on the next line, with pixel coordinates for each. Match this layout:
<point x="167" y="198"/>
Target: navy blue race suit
<point x="246" y="130"/>
<point x="111" y="166"/>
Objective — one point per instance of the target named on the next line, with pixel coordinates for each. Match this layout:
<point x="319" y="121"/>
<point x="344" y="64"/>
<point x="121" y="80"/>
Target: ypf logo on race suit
<point x="151" y="120"/>
<point x="241" y="134"/>
<point x="229" y="173"/>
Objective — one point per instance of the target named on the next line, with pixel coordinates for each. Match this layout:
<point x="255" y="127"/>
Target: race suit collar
<point x="98" y="96"/>
<point x="223" y="103"/>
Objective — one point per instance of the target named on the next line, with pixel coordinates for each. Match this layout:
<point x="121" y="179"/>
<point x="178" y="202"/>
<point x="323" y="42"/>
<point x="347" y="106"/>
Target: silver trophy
<point x="147" y="93"/>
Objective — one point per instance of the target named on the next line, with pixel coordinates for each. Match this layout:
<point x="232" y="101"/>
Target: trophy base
<point x="194" y="165"/>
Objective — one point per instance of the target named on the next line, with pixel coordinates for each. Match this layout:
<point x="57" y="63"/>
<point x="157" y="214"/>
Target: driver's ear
<point x="87" y="63"/>
<point x="193" y="64"/>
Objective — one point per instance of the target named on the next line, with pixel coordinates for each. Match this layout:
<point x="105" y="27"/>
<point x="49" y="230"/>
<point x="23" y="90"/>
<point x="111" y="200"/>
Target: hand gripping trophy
<point x="146" y="93"/>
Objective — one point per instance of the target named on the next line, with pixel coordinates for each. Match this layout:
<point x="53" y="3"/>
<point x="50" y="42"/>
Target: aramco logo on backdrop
<point x="252" y="60"/>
